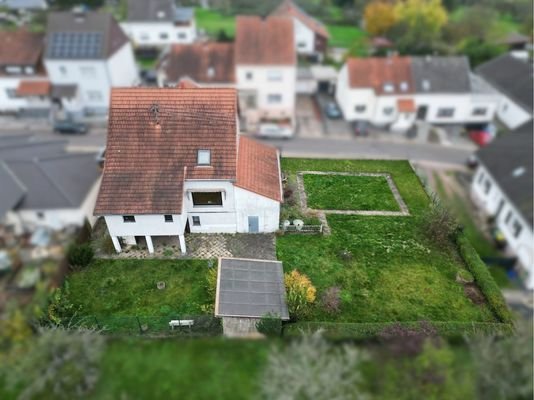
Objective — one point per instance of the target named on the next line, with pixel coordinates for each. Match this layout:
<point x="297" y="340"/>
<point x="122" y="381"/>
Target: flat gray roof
<point x="250" y="288"/>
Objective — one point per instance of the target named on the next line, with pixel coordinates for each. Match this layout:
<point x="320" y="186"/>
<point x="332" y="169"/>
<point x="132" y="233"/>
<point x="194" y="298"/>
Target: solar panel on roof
<point x="75" y="45"/>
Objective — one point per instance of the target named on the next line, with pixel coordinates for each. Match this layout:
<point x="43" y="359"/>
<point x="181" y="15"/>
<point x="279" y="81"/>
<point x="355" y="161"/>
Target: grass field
<point x="128" y="287"/>
<point x="348" y="36"/>
<point x="395" y="272"/>
<point x="338" y="192"/>
<point x="212" y="22"/>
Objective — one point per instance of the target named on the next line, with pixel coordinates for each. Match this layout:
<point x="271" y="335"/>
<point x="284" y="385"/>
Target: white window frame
<point x="274" y="98"/>
<point x="203" y="157"/>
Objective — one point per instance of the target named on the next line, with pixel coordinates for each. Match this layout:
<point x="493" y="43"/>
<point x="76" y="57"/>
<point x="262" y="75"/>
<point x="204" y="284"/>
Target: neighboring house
<point x="396" y="91"/>
<point x="176" y="164"/>
<point x="87" y="54"/>
<point x="512" y="78"/>
<point x="503" y="188"/>
<point x="24" y="85"/>
<point x="311" y="35"/>
<point x="266" y="72"/>
<point x="158" y="23"/>
<point x="43" y="185"/>
<point x="206" y="63"/>
<point x="24" y="5"/>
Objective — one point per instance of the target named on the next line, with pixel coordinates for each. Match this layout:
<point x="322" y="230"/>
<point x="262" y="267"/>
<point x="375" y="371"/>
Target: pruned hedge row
<point x="359" y="331"/>
<point x="484" y="280"/>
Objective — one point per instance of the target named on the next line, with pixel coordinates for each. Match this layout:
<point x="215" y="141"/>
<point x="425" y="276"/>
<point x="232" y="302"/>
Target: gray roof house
<point x="432" y="74"/>
<point x="158" y="11"/>
<point x="46" y="185"/>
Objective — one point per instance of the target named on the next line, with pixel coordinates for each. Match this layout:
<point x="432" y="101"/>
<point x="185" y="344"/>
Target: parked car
<point x="332" y="111"/>
<point x="360" y="128"/>
<point x="69" y="126"/>
<point x="149" y="76"/>
<point x="275" y="131"/>
<point x="472" y="161"/>
<point x="101" y="157"/>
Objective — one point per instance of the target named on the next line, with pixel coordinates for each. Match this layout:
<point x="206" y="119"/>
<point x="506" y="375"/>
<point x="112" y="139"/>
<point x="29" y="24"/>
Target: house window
<point x="388" y="110"/>
<point x="168" y="218"/>
<point x="274" y="75"/>
<point x="487" y="186"/>
<point x="88" y="72"/>
<point x="203" y="157"/>
<point x="301" y="45"/>
<point x="249" y="76"/>
<point x="63" y="70"/>
<point x="508" y="217"/>
<point x="481" y="178"/>
<point x="182" y="36"/>
<point x="479" y="111"/>
<point x="207" y="198"/>
<point x="196" y="220"/>
<point x="144" y="36"/>
<point x="388" y="88"/>
<point x="360" y="108"/>
<point x="404" y="86"/>
<point x="516" y="228"/>
<point x="94" y="95"/>
<point x="164" y="35"/>
<point x="128" y="218"/>
<point x="11" y="93"/>
<point x="13" y="69"/>
<point x="445" y="112"/>
<point x="40" y="215"/>
<point x="29" y="70"/>
<point x="274" y="98"/>
<point x="426" y="85"/>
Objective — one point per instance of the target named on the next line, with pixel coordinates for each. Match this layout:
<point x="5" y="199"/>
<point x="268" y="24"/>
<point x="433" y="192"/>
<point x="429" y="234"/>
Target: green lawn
<point x="347" y="36"/>
<point x="181" y="369"/>
<point x="395" y="273"/>
<point x="340" y="192"/>
<point x="128" y="288"/>
<point x="213" y="22"/>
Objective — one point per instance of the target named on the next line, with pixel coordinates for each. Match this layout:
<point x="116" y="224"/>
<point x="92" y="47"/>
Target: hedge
<point x="484" y="280"/>
<point x="367" y="330"/>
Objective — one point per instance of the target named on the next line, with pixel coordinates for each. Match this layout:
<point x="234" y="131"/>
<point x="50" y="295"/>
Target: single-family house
<point x="43" y="185"/>
<point x="157" y="23"/>
<point x="175" y="163"/>
<point x="24" y="85"/>
<point x="310" y="34"/>
<point x="512" y="78"/>
<point x="206" y="63"/>
<point x="396" y="91"/>
<point x="266" y="73"/>
<point x="503" y="188"/>
<point x="86" y="54"/>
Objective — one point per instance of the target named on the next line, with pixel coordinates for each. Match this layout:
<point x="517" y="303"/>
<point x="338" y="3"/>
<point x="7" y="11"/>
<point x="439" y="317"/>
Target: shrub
<point x="438" y="224"/>
<point x="270" y="325"/>
<point x="211" y="282"/>
<point x="408" y="340"/>
<point x="464" y="276"/>
<point x="80" y="255"/>
<point x="300" y="293"/>
<point x="60" y="308"/>
<point x="331" y="299"/>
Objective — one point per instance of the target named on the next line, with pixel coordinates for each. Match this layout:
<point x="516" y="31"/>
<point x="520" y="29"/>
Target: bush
<point x="270" y="325"/>
<point x="464" y="276"/>
<point x="438" y="224"/>
<point x="483" y="278"/>
<point x="331" y="299"/>
<point x="60" y="308"/>
<point x="300" y="293"/>
<point x="80" y="255"/>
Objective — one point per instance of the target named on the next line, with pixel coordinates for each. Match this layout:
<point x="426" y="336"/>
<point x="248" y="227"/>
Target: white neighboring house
<point x="397" y="91"/>
<point x="266" y="74"/>
<point x="176" y="164"/>
<point x="310" y="35"/>
<point x="44" y="186"/>
<point x="24" y="85"/>
<point x="512" y="78"/>
<point x="158" y="23"/>
<point x="87" y="54"/>
<point x="503" y="188"/>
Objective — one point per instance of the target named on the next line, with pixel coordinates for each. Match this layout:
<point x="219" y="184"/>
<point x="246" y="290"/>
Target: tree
<point x="379" y="17"/>
<point x="504" y="365"/>
<point x="475" y="22"/>
<point x="311" y="368"/>
<point x="480" y="51"/>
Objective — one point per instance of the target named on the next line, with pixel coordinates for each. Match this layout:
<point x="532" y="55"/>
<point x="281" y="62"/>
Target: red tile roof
<point x="374" y="72"/>
<point x="267" y="41"/>
<point x="20" y="47"/>
<point x="289" y="9"/>
<point x="207" y="62"/>
<point x="153" y="138"/>
<point x="34" y="88"/>
<point x="258" y="168"/>
<point x="406" y="105"/>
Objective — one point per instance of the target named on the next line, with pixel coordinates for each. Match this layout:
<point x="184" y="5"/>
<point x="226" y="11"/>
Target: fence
<point x="302" y="229"/>
<point x="203" y="325"/>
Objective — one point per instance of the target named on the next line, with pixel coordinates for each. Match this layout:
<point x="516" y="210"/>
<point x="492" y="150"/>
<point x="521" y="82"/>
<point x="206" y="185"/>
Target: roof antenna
<point x="155" y="112"/>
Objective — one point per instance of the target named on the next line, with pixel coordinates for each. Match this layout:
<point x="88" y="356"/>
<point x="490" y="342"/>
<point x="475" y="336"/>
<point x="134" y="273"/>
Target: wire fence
<point x="183" y="325"/>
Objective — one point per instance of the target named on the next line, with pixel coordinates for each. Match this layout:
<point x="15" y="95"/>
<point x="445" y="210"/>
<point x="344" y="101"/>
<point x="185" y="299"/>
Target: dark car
<point x="332" y="111"/>
<point x="360" y="128"/>
<point x="72" y="127"/>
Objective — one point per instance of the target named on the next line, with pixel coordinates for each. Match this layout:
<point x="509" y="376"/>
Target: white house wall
<point x="122" y="69"/>
<point x="304" y="38"/>
<point x="8" y="104"/>
<point x="148" y="33"/>
<point x="145" y="225"/>
<point x="250" y="204"/>
<point x="461" y="103"/>
<point x="523" y="245"/>
<point x="511" y="114"/>
<point x="55" y="219"/>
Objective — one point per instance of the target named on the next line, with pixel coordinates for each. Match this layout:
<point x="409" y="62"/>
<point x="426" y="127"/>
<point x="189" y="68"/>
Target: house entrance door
<point x="253" y="225"/>
<point x="421" y="113"/>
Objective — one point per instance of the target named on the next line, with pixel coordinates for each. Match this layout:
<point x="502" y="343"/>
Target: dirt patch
<point x="474" y="294"/>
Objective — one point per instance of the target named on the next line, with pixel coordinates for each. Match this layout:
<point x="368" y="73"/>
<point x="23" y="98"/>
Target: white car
<point x="275" y="131"/>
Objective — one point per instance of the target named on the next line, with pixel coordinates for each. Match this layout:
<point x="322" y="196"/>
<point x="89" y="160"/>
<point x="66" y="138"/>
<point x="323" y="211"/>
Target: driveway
<point x="333" y="127"/>
<point x="308" y="118"/>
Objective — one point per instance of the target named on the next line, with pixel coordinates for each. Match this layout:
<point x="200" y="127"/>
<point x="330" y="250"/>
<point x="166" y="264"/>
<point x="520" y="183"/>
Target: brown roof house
<point x="396" y="91"/>
<point x="176" y="164"/>
<point x="24" y="84"/>
<point x="206" y="63"/>
<point x="265" y="74"/>
<point x="310" y="35"/>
